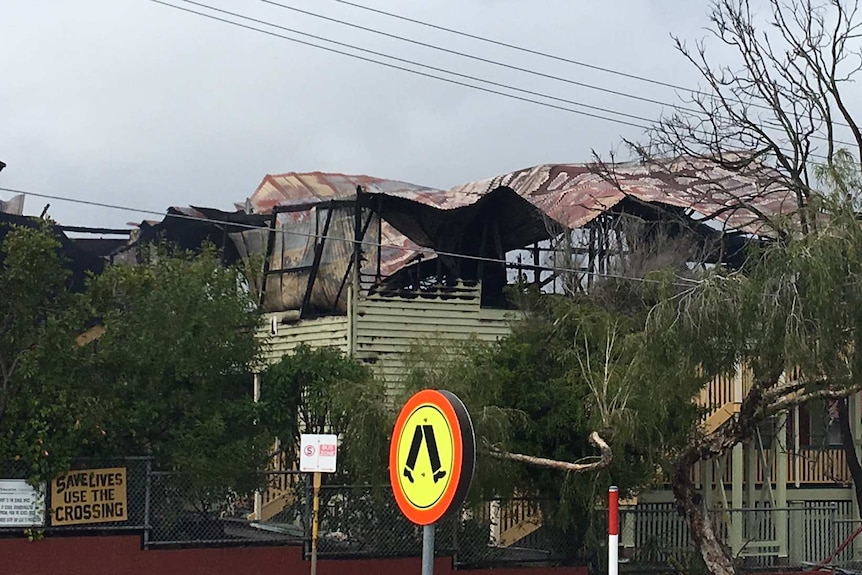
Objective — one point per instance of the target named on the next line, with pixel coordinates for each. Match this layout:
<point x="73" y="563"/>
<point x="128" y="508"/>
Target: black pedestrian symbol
<point x="426" y="431"/>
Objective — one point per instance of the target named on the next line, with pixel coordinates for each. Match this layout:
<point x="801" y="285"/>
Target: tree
<point x="177" y="356"/>
<point x="323" y="391"/>
<point x="170" y="376"/>
<point x="47" y="408"/>
<point x="572" y="368"/>
<point x="777" y="110"/>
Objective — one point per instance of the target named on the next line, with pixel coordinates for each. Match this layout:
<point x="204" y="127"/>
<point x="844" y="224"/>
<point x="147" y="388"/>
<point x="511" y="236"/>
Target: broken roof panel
<point x="575" y="194"/>
<point x="317" y="187"/>
<point x="297" y="188"/>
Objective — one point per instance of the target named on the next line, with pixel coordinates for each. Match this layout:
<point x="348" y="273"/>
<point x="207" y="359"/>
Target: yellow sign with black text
<point x="86" y="496"/>
<point x="432" y="455"/>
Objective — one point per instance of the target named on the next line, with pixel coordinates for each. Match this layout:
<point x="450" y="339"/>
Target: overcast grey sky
<point x="130" y="102"/>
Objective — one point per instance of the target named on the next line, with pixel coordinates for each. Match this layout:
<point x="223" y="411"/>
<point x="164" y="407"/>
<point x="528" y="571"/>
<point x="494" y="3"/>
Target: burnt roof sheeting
<point x="191" y="227"/>
<point x="298" y="188"/>
<point x="575" y="194"/>
<point x="316" y="187"/>
<point x="523" y="203"/>
<point x="514" y="222"/>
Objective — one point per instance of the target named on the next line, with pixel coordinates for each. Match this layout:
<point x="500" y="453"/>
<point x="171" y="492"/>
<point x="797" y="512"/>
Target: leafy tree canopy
<point x="170" y="376"/>
<point x="323" y="391"/>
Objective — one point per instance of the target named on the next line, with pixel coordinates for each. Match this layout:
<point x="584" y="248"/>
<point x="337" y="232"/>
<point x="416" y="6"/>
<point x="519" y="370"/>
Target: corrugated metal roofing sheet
<point x="570" y="194"/>
<point x="575" y="194"/>
<point x="298" y="188"/>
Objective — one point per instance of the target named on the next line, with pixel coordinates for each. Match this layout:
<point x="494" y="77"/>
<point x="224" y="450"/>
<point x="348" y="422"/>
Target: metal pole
<point x="428" y="550"/>
<point x="147" y="495"/>
<point x="258" y="494"/>
<point x="315" y="517"/>
<point x="613" y="530"/>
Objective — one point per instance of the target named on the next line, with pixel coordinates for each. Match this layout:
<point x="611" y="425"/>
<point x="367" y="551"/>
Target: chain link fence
<point x="172" y="509"/>
<point x="365" y="521"/>
<point x="104" y="495"/>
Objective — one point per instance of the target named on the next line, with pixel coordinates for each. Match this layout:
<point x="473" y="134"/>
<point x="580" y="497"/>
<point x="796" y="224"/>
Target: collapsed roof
<point x="488" y="218"/>
<point x="80" y="256"/>
<point x="306" y="226"/>
<point x="278" y="193"/>
<point x="573" y="195"/>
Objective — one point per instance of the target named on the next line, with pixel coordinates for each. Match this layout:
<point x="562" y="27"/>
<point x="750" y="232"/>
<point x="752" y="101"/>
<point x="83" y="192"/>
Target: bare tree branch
<point x="595" y="439"/>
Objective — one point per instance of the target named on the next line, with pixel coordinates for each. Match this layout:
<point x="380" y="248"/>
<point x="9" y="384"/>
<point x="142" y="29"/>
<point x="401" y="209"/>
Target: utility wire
<point x="284" y="231"/>
<point x="478" y="58"/>
<point x="421" y="65"/>
<point x="410" y="70"/>
<point x="552" y="56"/>
<point x="631" y="96"/>
<point x="413" y="71"/>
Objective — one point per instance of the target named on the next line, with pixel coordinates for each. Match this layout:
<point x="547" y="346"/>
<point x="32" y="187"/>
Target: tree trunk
<point x="850" y="449"/>
<point x="715" y="555"/>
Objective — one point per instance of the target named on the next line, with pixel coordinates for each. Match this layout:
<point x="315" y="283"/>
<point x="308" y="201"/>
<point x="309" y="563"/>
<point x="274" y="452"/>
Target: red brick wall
<point x="123" y="555"/>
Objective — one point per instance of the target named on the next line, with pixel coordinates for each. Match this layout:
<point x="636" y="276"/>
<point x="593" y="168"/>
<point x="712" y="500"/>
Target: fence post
<point x="796" y="550"/>
<point x="147" y="504"/>
<point x="495" y="517"/>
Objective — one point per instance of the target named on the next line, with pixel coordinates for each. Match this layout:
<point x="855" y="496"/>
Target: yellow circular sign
<point x="425" y="455"/>
<point x="432" y="455"/>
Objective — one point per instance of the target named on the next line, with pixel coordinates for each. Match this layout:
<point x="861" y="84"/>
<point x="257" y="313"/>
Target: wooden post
<point x="781" y="483"/>
<point x="737" y="516"/>
<point x="315" y="522"/>
<point x="496" y="518"/>
<point x="797" y="461"/>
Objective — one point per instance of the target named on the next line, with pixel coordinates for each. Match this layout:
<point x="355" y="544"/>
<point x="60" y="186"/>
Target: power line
<point x="410" y="70"/>
<point x="416" y="72"/>
<point x="520" y="48"/>
<point x="477" y="58"/>
<point x="493" y="62"/>
<point x="554" y="56"/>
<point x="310" y="235"/>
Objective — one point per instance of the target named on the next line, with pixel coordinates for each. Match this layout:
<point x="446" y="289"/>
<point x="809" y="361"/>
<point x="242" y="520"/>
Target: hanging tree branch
<point x="604" y="459"/>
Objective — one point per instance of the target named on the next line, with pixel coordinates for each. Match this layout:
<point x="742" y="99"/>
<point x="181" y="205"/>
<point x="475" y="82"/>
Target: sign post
<point x="315" y="522"/>
<point x="317" y="454"/>
<point x="432" y="457"/>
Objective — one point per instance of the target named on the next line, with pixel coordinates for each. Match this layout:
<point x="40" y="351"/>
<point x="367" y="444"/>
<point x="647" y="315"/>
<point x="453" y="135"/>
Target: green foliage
<point x="569" y="368"/>
<point x="170" y="377"/>
<point x="322" y="391"/>
<point x="178" y="353"/>
<point x="796" y="304"/>
<point x="45" y="403"/>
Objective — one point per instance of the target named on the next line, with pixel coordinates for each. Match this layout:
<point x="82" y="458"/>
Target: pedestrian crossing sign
<point x="432" y="455"/>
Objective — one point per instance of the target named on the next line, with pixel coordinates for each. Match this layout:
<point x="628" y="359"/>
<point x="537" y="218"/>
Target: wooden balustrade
<point x="808" y="467"/>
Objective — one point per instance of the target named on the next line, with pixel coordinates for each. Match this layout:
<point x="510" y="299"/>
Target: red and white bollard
<point x="613" y="530"/>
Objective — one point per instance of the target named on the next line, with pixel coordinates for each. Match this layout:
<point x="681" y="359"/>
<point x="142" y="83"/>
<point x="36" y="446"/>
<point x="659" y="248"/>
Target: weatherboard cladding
<point x="386" y="328"/>
<point x="331" y="331"/>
